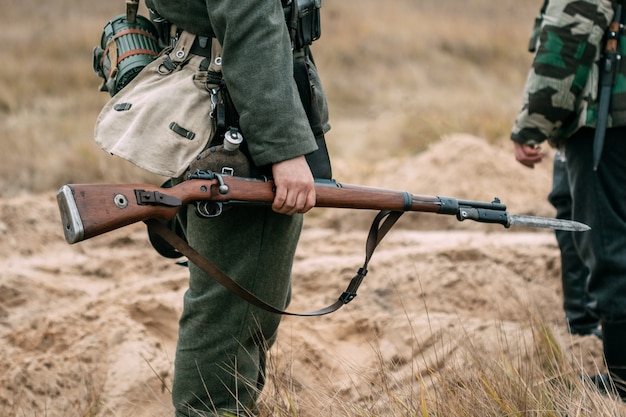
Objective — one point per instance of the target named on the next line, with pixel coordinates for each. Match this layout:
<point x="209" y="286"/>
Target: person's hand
<point x="295" y="189"/>
<point x="528" y="155"/>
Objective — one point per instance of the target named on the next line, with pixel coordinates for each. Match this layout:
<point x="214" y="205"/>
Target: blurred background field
<point x="399" y="75"/>
<point x="453" y="320"/>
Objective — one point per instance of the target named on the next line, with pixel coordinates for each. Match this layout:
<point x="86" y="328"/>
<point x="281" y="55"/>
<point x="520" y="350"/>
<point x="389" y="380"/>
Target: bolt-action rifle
<point x="88" y="210"/>
<point x="609" y="66"/>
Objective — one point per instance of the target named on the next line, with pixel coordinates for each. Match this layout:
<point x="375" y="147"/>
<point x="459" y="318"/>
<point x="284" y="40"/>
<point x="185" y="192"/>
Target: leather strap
<point x="376" y="234"/>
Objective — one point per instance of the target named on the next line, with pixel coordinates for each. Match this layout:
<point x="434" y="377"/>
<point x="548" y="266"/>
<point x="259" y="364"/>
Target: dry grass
<point x="403" y="72"/>
<point x="539" y="380"/>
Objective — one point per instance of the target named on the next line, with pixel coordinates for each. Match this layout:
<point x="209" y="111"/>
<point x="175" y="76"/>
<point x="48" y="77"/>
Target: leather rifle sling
<point x="376" y="234"/>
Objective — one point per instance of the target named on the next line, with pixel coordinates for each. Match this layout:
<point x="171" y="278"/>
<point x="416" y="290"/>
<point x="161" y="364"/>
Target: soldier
<point x="223" y="340"/>
<point x="576" y="300"/>
<point x="561" y="104"/>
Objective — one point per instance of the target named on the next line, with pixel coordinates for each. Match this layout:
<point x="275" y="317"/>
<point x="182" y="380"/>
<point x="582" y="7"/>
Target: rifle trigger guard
<point x="209" y="209"/>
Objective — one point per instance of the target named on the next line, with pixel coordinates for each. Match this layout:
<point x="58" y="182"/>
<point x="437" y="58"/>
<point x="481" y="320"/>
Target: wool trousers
<point x="223" y="340"/>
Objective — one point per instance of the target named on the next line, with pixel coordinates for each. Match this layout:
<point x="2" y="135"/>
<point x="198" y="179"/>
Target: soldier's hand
<point x="295" y="189"/>
<point x="528" y="155"/>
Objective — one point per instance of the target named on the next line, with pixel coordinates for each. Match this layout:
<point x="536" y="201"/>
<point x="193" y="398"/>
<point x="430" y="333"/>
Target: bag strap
<point x="132" y="6"/>
<point x="179" y="53"/>
<point x="376" y="234"/>
<point x="216" y="57"/>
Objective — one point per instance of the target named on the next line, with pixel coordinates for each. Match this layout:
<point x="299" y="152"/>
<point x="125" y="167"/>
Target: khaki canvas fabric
<point x="136" y="123"/>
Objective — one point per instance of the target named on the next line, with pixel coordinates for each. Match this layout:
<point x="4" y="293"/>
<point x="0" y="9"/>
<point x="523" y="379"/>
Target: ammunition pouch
<point x="303" y="20"/>
<point x="128" y="44"/>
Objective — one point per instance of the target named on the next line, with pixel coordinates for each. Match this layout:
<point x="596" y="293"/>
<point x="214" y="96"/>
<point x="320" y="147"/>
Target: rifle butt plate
<point x="70" y="217"/>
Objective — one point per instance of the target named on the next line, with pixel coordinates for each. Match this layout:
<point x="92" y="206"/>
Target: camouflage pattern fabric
<point x="561" y="90"/>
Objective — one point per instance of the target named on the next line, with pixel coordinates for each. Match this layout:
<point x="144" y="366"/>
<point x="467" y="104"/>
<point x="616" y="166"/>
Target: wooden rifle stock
<point x="89" y="210"/>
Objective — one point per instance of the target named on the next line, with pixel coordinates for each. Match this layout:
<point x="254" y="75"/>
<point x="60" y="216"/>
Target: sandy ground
<point x="96" y="322"/>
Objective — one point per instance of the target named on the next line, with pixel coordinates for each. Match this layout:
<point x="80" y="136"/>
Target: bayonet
<point x="547" y="223"/>
<point x="500" y="216"/>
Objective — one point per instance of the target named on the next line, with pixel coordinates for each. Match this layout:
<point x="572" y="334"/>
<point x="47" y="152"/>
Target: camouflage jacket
<point x="561" y="91"/>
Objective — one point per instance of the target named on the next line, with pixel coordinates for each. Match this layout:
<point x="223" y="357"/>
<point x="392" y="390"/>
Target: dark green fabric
<point x="223" y="340"/>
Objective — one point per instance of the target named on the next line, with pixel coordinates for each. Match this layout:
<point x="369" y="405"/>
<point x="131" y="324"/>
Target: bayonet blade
<point x="547" y="223"/>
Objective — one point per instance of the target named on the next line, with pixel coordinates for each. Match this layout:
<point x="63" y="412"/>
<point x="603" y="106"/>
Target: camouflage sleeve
<point x="564" y="75"/>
